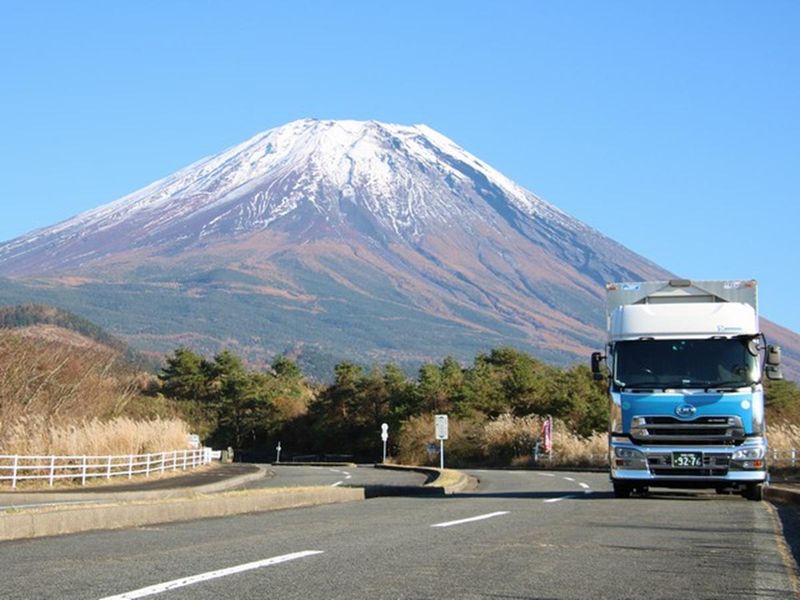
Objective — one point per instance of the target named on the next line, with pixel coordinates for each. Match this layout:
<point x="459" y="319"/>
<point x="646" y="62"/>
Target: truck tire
<point x="754" y="491"/>
<point x="622" y="490"/>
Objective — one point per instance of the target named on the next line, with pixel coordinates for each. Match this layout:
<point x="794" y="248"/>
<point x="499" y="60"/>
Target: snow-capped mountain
<point x="363" y="239"/>
<point x="392" y="182"/>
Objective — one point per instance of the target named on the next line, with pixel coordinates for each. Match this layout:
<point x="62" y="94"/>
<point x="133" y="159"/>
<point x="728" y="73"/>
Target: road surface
<point x="519" y="535"/>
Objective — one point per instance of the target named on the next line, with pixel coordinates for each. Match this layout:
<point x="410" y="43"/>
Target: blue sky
<point x="672" y="127"/>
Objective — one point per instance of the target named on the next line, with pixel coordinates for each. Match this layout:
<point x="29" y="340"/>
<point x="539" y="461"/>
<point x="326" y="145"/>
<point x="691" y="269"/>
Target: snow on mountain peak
<point x="405" y="180"/>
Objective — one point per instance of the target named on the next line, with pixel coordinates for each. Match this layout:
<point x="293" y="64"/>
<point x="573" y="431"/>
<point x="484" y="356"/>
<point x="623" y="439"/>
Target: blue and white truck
<point x="684" y="361"/>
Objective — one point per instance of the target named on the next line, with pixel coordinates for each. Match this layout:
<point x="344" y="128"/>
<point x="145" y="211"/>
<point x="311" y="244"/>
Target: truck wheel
<point x="622" y="490"/>
<point x="754" y="491"/>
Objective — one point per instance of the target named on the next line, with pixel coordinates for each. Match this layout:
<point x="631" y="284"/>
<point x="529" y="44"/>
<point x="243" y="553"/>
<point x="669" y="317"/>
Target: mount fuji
<point x="343" y="239"/>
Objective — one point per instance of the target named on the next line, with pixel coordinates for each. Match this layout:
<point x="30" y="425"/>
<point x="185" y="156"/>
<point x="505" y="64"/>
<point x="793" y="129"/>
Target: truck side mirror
<point x="774" y="355"/>
<point x="599" y="367"/>
<point x="774" y="372"/>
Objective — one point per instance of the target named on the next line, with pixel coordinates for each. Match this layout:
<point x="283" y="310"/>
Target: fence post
<point x="147" y="465"/>
<point x="174" y="460"/>
<point x="108" y="467"/>
<point x="163" y="461"/>
<point x="83" y="471"/>
<point x="130" y="466"/>
<point x="52" y="469"/>
<point x="14" y="472"/>
<point x="184" y="459"/>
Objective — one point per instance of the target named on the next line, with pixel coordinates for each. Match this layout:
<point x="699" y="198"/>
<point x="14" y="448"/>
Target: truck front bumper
<point x="713" y="466"/>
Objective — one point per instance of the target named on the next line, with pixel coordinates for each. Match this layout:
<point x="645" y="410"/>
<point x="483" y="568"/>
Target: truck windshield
<point x="704" y="363"/>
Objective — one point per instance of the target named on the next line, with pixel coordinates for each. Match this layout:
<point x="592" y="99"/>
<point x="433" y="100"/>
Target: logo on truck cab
<point x="685" y="410"/>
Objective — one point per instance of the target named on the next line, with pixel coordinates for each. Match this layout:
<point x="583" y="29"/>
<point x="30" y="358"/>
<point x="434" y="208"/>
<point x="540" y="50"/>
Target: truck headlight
<point x="629" y="458"/>
<point x="749" y="453"/>
<point x="628" y="453"/>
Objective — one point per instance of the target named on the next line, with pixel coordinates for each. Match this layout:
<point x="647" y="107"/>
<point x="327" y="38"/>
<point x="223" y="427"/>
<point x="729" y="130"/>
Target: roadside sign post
<point x="278" y="450"/>
<point x="441" y="435"/>
<point x="384" y="438"/>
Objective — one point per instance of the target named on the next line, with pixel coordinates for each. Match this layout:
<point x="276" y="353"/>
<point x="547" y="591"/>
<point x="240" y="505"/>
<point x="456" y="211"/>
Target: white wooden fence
<point x="16" y="468"/>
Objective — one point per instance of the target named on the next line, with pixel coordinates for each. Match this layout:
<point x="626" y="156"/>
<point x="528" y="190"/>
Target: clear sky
<point x="670" y="126"/>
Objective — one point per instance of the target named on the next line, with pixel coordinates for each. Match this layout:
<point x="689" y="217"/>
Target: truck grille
<point x="700" y="431"/>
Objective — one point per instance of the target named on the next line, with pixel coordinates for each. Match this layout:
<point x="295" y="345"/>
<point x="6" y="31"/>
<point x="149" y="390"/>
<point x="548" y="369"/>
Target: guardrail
<point x="15" y="468"/>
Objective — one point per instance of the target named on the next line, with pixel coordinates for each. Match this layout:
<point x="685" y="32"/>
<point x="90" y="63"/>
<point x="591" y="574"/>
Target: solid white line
<point x="559" y="499"/>
<point x="184" y="581"/>
<point x="41" y="504"/>
<point x="471" y="519"/>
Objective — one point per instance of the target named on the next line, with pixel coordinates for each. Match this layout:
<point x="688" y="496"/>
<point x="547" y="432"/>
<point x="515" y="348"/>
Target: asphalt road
<point x="364" y="476"/>
<point x="519" y="535"/>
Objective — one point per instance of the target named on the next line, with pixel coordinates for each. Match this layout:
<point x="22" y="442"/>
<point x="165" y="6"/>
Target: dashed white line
<point x="546" y="474"/>
<point x="337" y="483"/>
<point x="471" y="519"/>
<point x="559" y="499"/>
<point x="569" y="479"/>
<point x="184" y="581"/>
<point x="584" y="485"/>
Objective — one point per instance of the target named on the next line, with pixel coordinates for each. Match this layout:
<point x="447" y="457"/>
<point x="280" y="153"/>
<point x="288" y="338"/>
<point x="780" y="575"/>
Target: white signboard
<point x="441" y="427"/>
<point x="384" y="432"/>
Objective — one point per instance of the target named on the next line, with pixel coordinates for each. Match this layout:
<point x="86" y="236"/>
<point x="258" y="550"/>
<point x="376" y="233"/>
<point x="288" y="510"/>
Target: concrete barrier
<point x="444" y="481"/>
<point x="64" y="520"/>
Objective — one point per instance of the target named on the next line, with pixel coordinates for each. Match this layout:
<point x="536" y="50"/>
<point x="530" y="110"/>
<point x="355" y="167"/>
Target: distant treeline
<point x="251" y="410"/>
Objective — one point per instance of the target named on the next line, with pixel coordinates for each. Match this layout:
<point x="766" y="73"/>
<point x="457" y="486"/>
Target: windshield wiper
<point x="649" y="385"/>
<point x="730" y="384"/>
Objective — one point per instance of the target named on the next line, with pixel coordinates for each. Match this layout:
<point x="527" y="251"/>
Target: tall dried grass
<point x="34" y="436"/>
<point x="61" y="400"/>
<point x="505" y="440"/>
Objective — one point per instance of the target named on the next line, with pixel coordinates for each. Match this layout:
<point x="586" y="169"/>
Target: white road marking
<point x="41" y="504"/>
<point x="546" y="474"/>
<point x="184" y="581"/>
<point x="584" y="485"/>
<point x="337" y="483"/>
<point x="471" y="519"/>
<point x="568" y="479"/>
<point x="559" y="499"/>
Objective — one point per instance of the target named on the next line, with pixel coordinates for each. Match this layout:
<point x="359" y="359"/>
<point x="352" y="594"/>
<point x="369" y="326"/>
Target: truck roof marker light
<point x="680" y="283"/>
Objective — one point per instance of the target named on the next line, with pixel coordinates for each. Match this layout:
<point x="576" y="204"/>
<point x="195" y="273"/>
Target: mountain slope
<point x="357" y="239"/>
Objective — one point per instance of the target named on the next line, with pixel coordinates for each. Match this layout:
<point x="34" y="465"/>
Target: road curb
<point x="782" y="494"/>
<point x="60" y="521"/>
<point x="449" y="481"/>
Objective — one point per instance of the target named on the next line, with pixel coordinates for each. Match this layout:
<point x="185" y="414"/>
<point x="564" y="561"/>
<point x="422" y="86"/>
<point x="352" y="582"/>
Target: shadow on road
<point x="789" y="517"/>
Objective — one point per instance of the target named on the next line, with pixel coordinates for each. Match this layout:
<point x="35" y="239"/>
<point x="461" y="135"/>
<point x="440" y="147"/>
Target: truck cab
<point x="684" y="362"/>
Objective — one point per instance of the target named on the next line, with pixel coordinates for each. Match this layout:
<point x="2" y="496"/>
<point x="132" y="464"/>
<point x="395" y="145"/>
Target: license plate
<point x="687" y="459"/>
